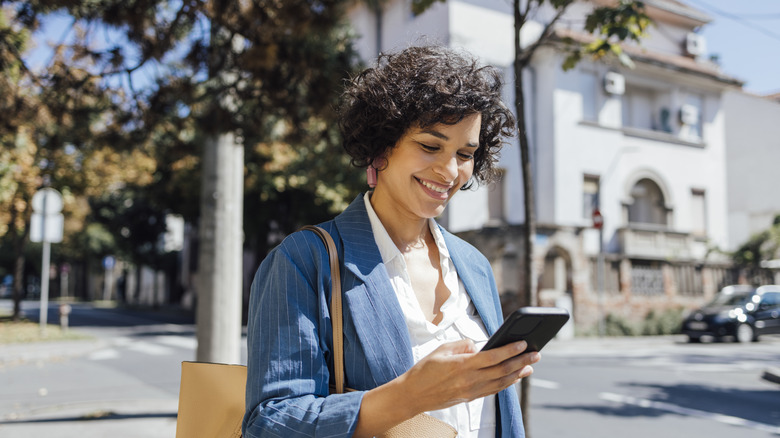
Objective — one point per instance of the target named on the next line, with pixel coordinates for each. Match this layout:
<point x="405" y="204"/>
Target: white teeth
<point x="433" y="187"/>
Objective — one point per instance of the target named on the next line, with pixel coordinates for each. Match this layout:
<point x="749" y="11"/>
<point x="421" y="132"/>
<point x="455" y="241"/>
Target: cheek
<point x="466" y="171"/>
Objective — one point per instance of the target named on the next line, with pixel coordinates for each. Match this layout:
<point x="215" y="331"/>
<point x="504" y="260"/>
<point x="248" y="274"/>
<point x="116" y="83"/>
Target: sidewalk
<point x="120" y="418"/>
<point x="33" y="402"/>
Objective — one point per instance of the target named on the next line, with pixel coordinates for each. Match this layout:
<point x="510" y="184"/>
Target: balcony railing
<point x="656" y="243"/>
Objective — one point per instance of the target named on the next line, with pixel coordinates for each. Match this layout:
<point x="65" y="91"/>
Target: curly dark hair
<point x="421" y="87"/>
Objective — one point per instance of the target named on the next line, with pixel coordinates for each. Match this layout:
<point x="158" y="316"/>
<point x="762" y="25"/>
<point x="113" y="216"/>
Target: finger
<point x="464" y="346"/>
<point x="500" y="354"/>
<point x="514" y="368"/>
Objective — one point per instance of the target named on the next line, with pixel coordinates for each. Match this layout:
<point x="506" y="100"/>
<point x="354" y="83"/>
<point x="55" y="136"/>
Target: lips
<point x="435" y="190"/>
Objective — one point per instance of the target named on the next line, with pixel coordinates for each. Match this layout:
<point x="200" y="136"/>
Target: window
<point x="648" y="206"/>
<point x="590" y="195"/>
<point x="647" y="109"/>
<point x="698" y="213"/>
<point x="638" y="105"/>
<point x="647" y="278"/>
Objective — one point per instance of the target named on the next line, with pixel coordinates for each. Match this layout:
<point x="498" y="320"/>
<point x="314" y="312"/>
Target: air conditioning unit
<point x="689" y="115"/>
<point x="614" y="83"/>
<point x="695" y="44"/>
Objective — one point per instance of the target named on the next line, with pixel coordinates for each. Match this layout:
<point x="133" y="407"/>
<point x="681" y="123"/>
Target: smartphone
<point x="535" y="325"/>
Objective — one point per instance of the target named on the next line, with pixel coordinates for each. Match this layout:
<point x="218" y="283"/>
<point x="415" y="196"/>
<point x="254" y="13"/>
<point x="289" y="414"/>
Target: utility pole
<point x="220" y="261"/>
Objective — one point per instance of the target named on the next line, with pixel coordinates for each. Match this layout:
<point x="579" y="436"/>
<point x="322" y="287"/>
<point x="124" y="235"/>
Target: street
<point x="651" y="387"/>
<point x="125" y="382"/>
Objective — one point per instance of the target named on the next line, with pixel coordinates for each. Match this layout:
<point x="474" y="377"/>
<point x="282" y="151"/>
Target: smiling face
<point x="426" y="168"/>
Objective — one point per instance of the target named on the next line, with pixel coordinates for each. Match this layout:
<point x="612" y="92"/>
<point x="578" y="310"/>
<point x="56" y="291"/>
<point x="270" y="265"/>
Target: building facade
<point x="645" y="146"/>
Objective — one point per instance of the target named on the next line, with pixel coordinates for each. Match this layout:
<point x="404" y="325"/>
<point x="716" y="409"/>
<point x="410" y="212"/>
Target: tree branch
<point x="529" y="51"/>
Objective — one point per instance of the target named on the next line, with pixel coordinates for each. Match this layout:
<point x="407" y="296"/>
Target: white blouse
<point x="475" y="419"/>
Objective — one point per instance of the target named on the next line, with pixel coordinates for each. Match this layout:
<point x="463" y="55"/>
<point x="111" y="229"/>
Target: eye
<point x="465" y="156"/>
<point x="429" y="148"/>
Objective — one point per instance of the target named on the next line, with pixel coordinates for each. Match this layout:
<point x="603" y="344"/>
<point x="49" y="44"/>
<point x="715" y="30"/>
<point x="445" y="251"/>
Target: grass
<point x="25" y="331"/>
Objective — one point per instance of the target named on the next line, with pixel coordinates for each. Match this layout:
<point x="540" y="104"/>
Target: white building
<point x="753" y="157"/>
<point x="646" y="145"/>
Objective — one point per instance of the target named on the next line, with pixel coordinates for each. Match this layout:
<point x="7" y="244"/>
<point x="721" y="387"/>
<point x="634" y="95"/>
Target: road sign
<point x="47" y="201"/>
<point x="46" y="223"/>
<point x="109" y="262"/>
<point x="598" y="219"/>
<point x="49" y="229"/>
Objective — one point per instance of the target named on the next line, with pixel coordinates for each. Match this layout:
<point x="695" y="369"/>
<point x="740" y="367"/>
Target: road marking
<point x="178" y="341"/>
<point x="149" y="348"/>
<point x="726" y="419"/>
<point x="547" y="384"/>
<point x="106" y="354"/>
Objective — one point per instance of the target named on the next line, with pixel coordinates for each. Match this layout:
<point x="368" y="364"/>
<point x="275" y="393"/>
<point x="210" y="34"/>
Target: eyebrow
<point x="438" y="134"/>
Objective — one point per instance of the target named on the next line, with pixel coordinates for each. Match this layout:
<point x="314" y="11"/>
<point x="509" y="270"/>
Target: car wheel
<point x="745" y="333"/>
<point x="694" y="339"/>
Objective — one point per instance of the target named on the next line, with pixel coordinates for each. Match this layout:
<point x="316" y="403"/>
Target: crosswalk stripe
<point x="149" y="348"/>
<point x="108" y="353"/>
<point x="178" y="341"/>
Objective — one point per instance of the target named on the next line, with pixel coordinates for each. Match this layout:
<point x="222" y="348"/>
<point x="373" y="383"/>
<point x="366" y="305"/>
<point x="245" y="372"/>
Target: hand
<point x="457" y="372"/>
<point x="453" y="373"/>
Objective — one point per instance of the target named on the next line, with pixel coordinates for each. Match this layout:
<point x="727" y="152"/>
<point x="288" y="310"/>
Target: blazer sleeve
<point x="288" y="338"/>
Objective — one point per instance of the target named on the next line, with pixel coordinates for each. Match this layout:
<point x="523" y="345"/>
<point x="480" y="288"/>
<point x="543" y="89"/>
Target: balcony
<point x="657" y="243"/>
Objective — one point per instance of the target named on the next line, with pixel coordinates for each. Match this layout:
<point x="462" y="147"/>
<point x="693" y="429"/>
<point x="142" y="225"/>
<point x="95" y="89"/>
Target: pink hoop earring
<point x="371" y="175"/>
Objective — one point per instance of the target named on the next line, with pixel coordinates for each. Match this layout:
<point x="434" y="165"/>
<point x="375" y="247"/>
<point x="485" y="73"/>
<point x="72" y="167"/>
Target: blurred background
<point x="152" y="152"/>
<point x="670" y="141"/>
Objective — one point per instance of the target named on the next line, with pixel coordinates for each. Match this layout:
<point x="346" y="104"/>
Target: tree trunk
<point x="19" y="246"/>
<point x="527" y="295"/>
<point x="219" y="289"/>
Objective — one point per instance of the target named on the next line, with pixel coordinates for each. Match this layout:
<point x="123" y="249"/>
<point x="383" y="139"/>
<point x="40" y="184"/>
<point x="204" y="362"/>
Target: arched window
<point x="648" y="206"/>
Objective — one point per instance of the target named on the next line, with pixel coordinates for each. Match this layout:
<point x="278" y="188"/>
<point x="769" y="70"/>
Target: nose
<point x="448" y="168"/>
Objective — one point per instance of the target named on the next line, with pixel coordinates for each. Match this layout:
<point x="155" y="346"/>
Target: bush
<point x="662" y="323"/>
<point x="655" y="323"/>
<point x="618" y="326"/>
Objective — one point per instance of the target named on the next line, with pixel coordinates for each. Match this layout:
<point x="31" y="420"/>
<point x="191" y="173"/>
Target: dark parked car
<point x="741" y="312"/>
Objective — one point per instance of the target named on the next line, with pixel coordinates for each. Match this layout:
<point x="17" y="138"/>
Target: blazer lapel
<point x="475" y="281"/>
<point x="370" y="298"/>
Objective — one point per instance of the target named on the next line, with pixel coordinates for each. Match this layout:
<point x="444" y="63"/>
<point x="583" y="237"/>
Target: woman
<point x="418" y="301"/>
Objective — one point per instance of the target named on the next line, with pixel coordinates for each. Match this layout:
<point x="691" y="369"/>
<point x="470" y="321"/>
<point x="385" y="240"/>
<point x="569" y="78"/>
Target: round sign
<point x="47" y="201"/>
<point x="598" y="219"/>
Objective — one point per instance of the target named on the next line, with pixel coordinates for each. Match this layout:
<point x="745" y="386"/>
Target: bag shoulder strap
<point x="336" y="315"/>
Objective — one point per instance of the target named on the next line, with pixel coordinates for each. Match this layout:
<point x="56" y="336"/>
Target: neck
<point x="407" y="233"/>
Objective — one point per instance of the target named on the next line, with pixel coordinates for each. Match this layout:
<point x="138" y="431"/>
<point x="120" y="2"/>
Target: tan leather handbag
<point x="212" y="395"/>
<point x="211" y="400"/>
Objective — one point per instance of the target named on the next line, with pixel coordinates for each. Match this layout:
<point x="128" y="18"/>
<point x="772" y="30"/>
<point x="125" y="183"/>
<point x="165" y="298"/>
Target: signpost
<point x="108" y="277"/>
<point x="598" y="223"/>
<point x="46" y="226"/>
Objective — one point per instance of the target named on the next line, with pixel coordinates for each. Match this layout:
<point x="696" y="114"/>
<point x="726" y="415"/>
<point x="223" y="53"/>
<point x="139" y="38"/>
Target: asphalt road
<point x="125" y="383"/>
<point x="656" y="387"/>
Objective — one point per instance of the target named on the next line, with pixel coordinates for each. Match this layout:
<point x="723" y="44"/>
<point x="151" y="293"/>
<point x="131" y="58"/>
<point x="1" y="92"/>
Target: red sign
<point x="598" y="219"/>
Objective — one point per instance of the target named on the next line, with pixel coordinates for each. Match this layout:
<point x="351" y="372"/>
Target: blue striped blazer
<point x="290" y="336"/>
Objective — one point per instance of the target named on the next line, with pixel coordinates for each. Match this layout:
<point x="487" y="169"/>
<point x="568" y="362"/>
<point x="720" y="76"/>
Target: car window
<point x="770" y="299"/>
<point x="730" y="299"/>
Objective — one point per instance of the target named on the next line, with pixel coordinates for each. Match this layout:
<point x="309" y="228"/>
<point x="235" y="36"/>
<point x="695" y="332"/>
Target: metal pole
<point x="600" y="276"/>
<point x="45" y="259"/>
<point x="45" y="285"/>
